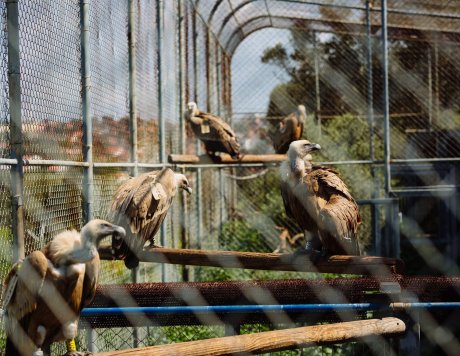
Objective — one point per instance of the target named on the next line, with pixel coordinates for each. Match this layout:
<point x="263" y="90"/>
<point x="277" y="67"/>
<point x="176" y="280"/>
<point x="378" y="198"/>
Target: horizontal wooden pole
<point x="368" y="265"/>
<point x="225" y="158"/>
<point x="278" y="340"/>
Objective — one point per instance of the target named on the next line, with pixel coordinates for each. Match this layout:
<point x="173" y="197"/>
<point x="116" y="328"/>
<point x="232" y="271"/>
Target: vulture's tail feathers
<point x="121" y="251"/>
<point x="131" y="261"/>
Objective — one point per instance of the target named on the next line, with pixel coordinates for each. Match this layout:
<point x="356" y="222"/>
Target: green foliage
<point x="182" y="333"/>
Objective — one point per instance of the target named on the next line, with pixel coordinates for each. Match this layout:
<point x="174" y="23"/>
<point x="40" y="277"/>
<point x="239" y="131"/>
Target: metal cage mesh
<point x="252" y="62"/>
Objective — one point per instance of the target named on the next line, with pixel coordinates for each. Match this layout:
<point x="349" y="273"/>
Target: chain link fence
<point x="253" y="63"/>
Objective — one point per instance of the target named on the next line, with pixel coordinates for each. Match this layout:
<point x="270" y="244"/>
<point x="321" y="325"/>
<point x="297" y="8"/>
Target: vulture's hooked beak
<point x="188" y="189"/>
<point x="118" y="232"/>
<point x="312" y="147"/>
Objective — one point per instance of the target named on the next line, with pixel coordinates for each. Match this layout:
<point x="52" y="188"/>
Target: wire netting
<point x="252" y="63"/>
<point x="147" y="81"/>
<point x="109" y="82"/>
<point x="50" y="77"/>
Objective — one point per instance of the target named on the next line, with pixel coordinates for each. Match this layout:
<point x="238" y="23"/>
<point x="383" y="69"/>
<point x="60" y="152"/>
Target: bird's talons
<point x="308" y="250"/>
<point x="77" y="353"/>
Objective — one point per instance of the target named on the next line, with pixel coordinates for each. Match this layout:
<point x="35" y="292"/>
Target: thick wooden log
<point x="225" y="158"/>
<point x="367" y="265"/>
<point x="277" y="340"/>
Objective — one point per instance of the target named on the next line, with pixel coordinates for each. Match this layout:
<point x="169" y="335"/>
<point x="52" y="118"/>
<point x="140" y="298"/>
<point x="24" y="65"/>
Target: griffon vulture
<point x="45" y="292"/>
<point x="319" y="201"/>
<point x="214" y="132"/>
<point x="140" y="205"/>
<point x="289" y="129"/>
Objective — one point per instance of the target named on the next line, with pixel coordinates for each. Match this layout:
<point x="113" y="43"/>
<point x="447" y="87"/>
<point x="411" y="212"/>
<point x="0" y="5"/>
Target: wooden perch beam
<point x="367" y="265"/>
<point x="225" y="158"/>
<point x="277" y="340"/>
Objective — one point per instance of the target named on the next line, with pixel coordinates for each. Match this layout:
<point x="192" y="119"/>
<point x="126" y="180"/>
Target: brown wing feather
<point x="339" y="225"/>
<point x="30" y="275"/>
<point x="300" y="205"/>
<point x="329" y="182"/>
<point x="220" y="138"/>
<point x="218" y="123"/>
<point x="90" y="282"/>
<point x="135" y="206"/>
<point x="283" y="137"/>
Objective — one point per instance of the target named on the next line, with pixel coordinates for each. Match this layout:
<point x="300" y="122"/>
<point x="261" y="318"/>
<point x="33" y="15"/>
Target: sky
<point x="252" y="80"/>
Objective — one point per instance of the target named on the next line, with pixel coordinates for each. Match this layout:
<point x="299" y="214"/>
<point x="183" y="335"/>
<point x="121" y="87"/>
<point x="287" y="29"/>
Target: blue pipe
<point x="264" y="308"/>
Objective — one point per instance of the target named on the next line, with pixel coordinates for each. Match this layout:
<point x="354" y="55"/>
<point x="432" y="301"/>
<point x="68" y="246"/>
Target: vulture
<point x="319" y="202"/>
<point x="214" y="132"/>
<point x="140" y="205"/>
<point x="289" y="129"/>
<point x="45" y="292"/>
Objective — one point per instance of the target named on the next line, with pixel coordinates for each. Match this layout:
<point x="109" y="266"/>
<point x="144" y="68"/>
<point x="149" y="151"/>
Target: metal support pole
<point x="87" y="124"/>
<point x="375" y="209"/>
<point x="135" y="273"/>
<point x="430" y="90"/>
<point x="88" y="174"/>
<point x="90" y="340"/>
<point x="182" y="73"/>
<point x="181" y="32"/>
<point x="132" y="85"/>
<point x="317" y="92"/>
<point x="209" y="73"/>
<point x="16" y="137"/>
<point x="199" y="227"/>
<point x="162" y="129"/>
<point x="221" y="199"/>
<point x="436" y="79"/>
<point x="218" y="55"/>
<point x="396" y="248"/>
<point x="160" y="28"/>
<point x="386" y="99"/>
<point x="370" y="80"/>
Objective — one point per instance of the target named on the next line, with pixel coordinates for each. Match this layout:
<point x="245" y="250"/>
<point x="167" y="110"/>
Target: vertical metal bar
<point x="375" y="209"/>
<point x="209" y="77"/>
<point x="396" y="248"/>
<point x="91" y="340"/>
<point x="199" y="209"/>
<point x="222" y="199"/>
<point x="370" y="80"/>
<point x="218" y="79"/>
<point x="182" y="70"/>
<point x="182" y="60"/>
<point x="135" y="273"/>
<point x="132" y="85"/>
<point x="430" y="89"/>
<point x="386" y="98"/>
<point x="162" y="128"/>
<point x="229" y="87"/>
<point x="160" y="28"/>
<point x="436" y="79"/>
<point x="88" y="177"/>
<point x="16" y="136"/>
<point x="199" y="227"/>
<point x="317" y="92"/>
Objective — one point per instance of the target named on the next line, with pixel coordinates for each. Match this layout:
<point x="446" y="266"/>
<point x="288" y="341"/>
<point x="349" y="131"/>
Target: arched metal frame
<point x="320" y="23"/>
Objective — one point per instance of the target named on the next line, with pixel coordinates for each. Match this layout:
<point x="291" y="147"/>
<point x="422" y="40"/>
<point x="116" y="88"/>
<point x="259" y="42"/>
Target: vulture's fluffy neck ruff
<point x="192" y="112"/>
<point x="300" y="160"/>
<point x="301" y="112"/>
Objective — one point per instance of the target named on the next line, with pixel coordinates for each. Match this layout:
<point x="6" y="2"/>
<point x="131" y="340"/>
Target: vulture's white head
<point x="181" y="182"/>
<point x="95" y="230"/>
<point x="301" y="112"/>
<point x="192" y="108"/>
<point x="301" y="149"/>
<point x="299" y="156"/>
<point x="192" y="112"/>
